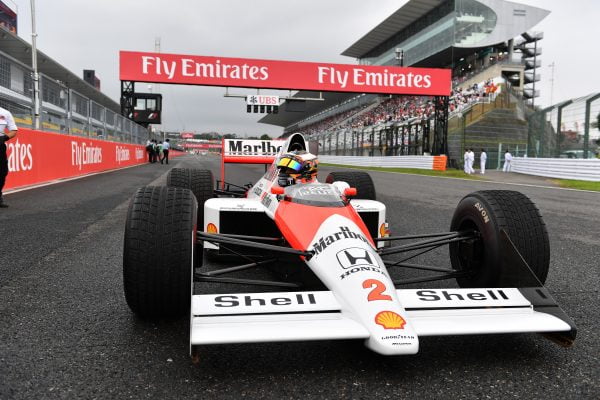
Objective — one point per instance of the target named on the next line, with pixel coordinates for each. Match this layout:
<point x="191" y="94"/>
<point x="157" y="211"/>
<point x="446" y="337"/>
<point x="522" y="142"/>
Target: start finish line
<point x="272" y="74"/>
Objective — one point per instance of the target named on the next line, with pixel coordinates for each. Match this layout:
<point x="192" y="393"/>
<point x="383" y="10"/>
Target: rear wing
<point x="248" y="151"/>
<point x="253" y="151"/>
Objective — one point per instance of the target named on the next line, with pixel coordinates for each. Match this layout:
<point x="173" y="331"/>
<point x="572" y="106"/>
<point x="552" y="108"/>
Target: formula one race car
<point x="328" y="245"/>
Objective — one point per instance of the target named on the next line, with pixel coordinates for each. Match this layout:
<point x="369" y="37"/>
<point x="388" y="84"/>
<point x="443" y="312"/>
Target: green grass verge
<point x="450" y="173"/>
<point x="581" y="185"/>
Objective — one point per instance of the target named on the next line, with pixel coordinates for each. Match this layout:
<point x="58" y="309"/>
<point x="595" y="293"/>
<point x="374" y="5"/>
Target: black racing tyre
<point x="365" y="188"/>
<point x="160" y="234"/>
<point x="199" y="181"/>
<point x="488" y="212"/>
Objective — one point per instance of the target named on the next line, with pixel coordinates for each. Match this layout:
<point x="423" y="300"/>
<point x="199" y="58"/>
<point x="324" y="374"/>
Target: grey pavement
<point x="67" y="333"/>
<point x="513" y="177"/>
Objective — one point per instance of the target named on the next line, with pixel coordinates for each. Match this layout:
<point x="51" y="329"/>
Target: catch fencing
<point x="62" y="109"/>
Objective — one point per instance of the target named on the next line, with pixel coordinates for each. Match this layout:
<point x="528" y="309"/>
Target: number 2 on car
<point x="377" y="292"/>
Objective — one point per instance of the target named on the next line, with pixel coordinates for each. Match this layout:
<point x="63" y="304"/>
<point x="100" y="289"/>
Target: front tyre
<point x="159" y="248"/>
<point x="488" y="212"/>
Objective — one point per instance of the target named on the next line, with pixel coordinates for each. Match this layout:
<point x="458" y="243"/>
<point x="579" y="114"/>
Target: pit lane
<point x="66" y="331"/>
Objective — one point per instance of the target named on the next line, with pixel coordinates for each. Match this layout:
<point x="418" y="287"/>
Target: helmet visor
<point x="289" y="163"/>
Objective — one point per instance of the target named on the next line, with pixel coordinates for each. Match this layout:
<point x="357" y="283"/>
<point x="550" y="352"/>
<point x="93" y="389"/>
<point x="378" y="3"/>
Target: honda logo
<point x="354" y="256"/>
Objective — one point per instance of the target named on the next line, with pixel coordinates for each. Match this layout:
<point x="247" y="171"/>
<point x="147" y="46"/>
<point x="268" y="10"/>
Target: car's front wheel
<point x="159" y="249"/>
<point x="488" y="213"/>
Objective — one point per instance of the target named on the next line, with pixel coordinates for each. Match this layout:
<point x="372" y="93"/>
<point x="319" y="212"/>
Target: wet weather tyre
<point x="199" y="181"/>
<point x="362" y="181"/>
<point x="158" y="251"/>
<point x="488" y="212"/>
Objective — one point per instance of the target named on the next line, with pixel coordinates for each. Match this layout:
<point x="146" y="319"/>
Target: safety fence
<point x="36" y="157"/>
<point x="569" y="129"/>
<point x="418" y="162"/>
<point x="62" y="109"/>
<point x="563" y="168"/>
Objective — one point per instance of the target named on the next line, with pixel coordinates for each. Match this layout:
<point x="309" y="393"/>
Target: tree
<point x="265" y="137"/>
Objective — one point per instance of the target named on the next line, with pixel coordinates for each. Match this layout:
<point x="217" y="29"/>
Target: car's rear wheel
<point x="488" y="212"/>
<point x="362" y="181"/>
<point x="199" y="181"/>
<point x="159" y="249"/>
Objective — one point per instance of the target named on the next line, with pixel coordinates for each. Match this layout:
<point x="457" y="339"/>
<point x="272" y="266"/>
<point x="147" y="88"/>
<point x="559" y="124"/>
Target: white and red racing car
<point x="328" y="246"/>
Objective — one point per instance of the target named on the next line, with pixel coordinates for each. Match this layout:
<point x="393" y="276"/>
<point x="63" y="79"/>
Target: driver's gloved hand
<point x="284" y="181"/>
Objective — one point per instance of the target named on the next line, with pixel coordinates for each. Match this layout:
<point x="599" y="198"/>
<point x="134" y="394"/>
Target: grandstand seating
<point x="399" y="109"/>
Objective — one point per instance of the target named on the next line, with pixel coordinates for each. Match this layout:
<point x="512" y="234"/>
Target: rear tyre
<point x="365" y="188"/>
<point x="487" y="212"/>
<point x="199" y="181"/>
<point x="159" y="247"/>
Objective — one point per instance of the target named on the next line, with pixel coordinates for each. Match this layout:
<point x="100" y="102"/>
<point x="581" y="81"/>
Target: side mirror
<point x="350" y="192"/>
<point x="277" y="190"/>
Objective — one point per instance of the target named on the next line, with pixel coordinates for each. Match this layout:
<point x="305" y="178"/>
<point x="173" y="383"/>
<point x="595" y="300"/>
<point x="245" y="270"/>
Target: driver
<point x="297" y="167"/>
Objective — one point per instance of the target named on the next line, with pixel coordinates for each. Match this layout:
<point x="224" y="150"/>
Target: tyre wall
<point x="36" y="157"/>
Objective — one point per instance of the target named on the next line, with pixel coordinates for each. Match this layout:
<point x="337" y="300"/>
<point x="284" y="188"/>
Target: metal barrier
<point x="563" y="168"/>
<point x="389" y="139"/>
<point x="62" y="110"/>
<point x="418" y="162"/>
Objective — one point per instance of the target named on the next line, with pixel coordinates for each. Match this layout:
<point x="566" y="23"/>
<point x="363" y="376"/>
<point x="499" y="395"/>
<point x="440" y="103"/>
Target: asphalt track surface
<point x="66" y="331"/>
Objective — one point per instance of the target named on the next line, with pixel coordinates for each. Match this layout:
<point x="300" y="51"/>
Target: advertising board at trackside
<point x="36" y="157"/>
<point x="273" y="74"/>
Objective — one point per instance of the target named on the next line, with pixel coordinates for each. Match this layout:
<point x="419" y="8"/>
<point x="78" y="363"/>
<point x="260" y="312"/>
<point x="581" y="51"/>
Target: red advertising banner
<point x="204" y="146"/>
<point x="36" y="157"/>
<point x="242" y="72"/>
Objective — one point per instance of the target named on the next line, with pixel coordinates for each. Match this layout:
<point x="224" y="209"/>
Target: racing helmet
<point x="297" y="166"/>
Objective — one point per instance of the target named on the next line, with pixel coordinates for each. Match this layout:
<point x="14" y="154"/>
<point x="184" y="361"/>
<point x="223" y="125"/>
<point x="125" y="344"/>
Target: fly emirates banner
<point x="36" y="157"/>
<point x="241" y="72"/>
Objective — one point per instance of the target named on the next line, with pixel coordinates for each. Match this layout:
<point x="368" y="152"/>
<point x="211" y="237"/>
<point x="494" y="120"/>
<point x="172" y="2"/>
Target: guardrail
<point x="563" y="168"/>
<point x="419" y="162"/>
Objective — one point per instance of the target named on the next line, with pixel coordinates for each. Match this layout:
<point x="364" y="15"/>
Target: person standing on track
<point x="165" y="148"/>
<point x="8" y="130"/>
<point x="466" y="161"/>
<point x="482" y="161"/>
<point x="471" y="161"/>
<point x="507" y="161"/>
<point x="149" y="150"/>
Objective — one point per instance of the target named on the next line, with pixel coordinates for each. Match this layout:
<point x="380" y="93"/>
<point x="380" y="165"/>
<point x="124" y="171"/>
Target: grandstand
<point x="486" y="44"/>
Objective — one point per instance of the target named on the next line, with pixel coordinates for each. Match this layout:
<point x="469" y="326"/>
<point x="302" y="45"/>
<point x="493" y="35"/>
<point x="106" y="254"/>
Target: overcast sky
<point x="88" y="34"/>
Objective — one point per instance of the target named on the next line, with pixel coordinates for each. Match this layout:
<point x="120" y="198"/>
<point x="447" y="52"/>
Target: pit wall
<point x="36" y="157"/>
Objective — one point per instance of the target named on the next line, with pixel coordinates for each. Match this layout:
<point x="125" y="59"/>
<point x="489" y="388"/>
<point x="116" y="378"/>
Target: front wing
<point x="300" y="316"/>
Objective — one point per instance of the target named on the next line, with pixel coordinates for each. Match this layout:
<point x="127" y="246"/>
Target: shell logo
<point x="384" y="231"/>
<point x="390" y="320"/>
<point x="211" y="228"/>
